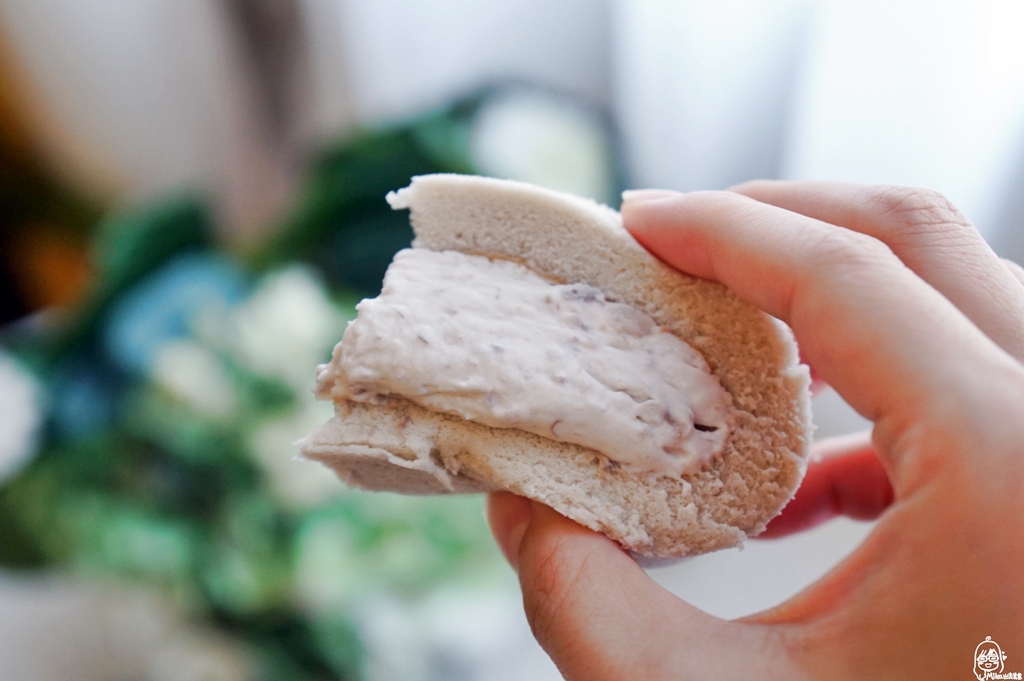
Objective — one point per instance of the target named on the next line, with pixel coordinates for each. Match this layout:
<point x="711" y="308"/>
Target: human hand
<point x="899" y="304"/>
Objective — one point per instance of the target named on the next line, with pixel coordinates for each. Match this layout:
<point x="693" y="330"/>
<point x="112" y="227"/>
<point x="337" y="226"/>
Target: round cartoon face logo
<point x="988" y="659"/>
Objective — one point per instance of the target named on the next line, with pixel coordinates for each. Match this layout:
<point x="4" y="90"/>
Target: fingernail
<point x="509" y="516"/>
<point x="637" y="195"/>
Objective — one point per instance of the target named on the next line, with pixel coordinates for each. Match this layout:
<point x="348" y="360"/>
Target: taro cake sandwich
<point x="526" y="342"/>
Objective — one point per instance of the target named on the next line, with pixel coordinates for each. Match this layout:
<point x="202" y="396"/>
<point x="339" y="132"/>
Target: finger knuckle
<point x="718" y="200"/>
<point x="913" y="215"/>
<point x="1015" y="269"/>
<point x="846" y="249"/>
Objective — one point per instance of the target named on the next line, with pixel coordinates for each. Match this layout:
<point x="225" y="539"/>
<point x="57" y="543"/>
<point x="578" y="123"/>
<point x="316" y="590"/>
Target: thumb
<point x="601" y="617"/>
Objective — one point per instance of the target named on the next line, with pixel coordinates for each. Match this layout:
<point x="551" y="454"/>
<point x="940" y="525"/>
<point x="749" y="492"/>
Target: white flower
<point x="286" y="327"/>
<point x="295" y="483"/>
<point x="20" y="416"/>
<point x="195" y="375"/>
<point x="529" y="136"/>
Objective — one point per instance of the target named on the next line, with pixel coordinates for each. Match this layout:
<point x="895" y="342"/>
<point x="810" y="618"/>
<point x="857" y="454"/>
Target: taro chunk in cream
<point x="495" y="343"/>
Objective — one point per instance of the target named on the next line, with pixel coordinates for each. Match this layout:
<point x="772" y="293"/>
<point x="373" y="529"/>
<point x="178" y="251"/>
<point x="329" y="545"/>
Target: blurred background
<point x="191" y="202"/>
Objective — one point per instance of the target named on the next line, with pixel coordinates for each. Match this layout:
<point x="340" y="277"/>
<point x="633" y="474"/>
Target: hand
<point x="900" y="305"/>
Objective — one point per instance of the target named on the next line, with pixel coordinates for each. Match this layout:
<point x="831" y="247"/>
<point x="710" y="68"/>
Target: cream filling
<point x="495" y="343"/>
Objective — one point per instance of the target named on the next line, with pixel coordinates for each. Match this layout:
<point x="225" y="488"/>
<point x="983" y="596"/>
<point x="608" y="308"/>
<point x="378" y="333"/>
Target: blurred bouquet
<point x="148" y="433"/>
<point x="169" y="401"/>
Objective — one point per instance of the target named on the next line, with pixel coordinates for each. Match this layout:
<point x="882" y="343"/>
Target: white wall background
<point x="140" y="96"/>
<point x="405" y="56"/>
<point x="703" y="90"/>
<point x="916" y="93"/>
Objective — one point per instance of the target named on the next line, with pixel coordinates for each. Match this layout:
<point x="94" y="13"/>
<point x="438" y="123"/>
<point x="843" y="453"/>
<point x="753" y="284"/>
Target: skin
<point x="898" y="304"/>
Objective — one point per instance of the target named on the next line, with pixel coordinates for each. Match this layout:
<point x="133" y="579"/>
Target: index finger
<point x="894" y="347"/>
